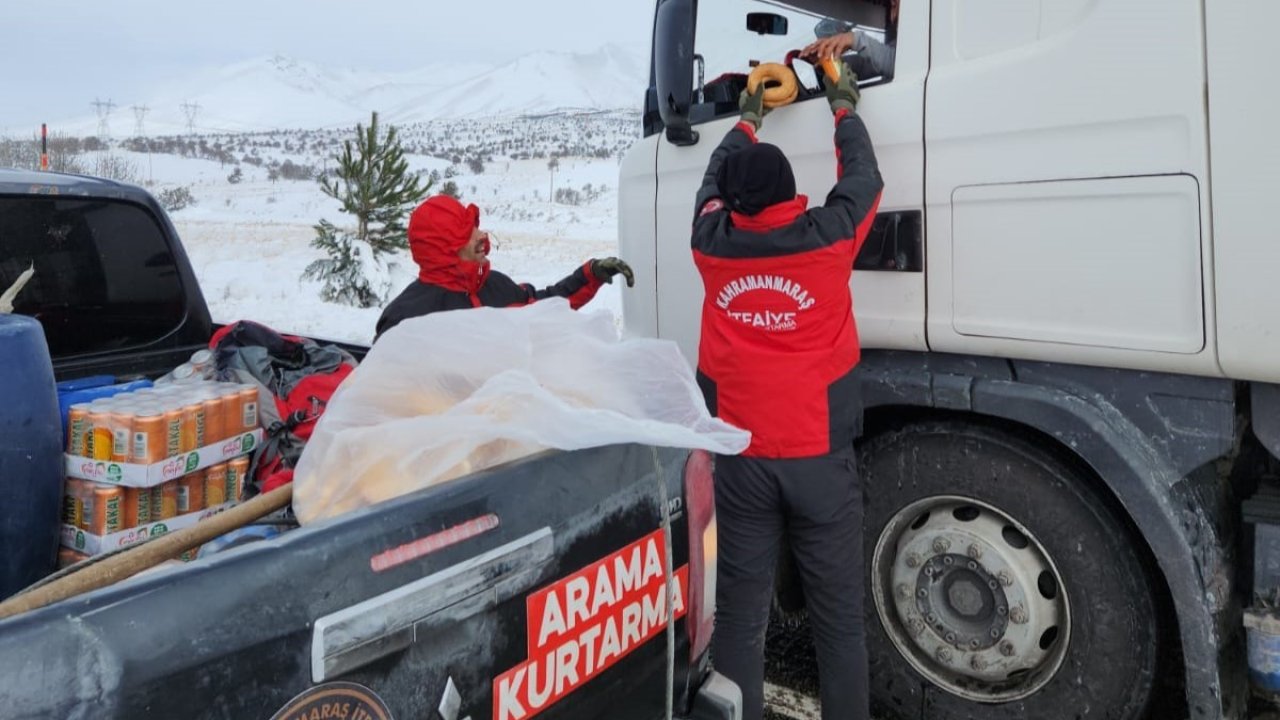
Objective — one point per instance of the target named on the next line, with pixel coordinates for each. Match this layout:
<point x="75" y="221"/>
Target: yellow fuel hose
<point x="780" y="87"/>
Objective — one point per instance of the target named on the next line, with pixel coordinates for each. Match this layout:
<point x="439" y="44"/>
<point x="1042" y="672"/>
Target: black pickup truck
<point x="568" y="585"/>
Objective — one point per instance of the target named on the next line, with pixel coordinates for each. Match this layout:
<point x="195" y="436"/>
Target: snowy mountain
<point x="279" y="92"/>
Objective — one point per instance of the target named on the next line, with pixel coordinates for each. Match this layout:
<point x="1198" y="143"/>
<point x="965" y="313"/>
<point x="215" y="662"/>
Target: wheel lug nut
<point x="951" y="638"/>
<point x="995" y="634"/>
<point x="928" y="570"/>
<point x="922" y="593"/>
<point x="1018" y="615"/>
<point x="931" y="618"/>
<point x="973" y="644"/>
<point x="978" y="663"/>
<point x="975" y="552"/>
<point x="941" y="545"/>
<point x="1005" y="578"/>
<point x="913" y="560"/>
<point x="1002" y="611"/>
<point x="944" y="655"/>
<point x="1006" y="649"/>
<point x="948" y="561"/>
<point x="904" y="592"/>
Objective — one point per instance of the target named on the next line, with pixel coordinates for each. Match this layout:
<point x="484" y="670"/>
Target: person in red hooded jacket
<point x="452" y="251"/>
<point x="777" y="355"/>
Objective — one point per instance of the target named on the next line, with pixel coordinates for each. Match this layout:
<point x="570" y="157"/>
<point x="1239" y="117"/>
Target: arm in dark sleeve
<point x="851" y="205"/>
<point x="579" y="287"/>
<point x="740" y="136"/>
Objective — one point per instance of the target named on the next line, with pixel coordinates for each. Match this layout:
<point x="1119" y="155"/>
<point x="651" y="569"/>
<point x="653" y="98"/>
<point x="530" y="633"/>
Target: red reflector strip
<point x="436" y="541"/>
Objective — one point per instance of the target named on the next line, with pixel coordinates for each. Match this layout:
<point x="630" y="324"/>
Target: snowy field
<point x="249" y="241"/>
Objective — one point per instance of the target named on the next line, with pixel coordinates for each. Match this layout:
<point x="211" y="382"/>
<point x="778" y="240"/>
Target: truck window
<point x="105" y="278"/>
<point x="727" y="49"/>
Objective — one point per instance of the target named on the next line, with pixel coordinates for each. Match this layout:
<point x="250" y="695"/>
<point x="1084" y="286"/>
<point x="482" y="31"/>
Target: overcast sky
<point x="77" y="50"/>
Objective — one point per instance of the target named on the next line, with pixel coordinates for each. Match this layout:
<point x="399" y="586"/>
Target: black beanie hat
<point x="752" y="179"/>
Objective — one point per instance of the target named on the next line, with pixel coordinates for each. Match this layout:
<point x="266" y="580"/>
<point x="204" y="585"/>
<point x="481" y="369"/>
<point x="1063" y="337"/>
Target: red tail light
<point x="700" y="501"/>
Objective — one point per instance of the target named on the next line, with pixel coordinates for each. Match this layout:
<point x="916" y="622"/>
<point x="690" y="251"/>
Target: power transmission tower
<point x="190" y="109"/>
<point x="139" y="116"/>
<point x="104" y="109"/>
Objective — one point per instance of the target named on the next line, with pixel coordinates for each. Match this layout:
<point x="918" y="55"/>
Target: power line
<point x="139" y="117"/>
<point x="190" y="109"/>
<point x="104" y="108"/>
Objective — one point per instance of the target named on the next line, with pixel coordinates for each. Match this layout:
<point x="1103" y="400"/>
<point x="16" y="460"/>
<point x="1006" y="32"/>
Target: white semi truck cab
<point x="1068" y="308"/>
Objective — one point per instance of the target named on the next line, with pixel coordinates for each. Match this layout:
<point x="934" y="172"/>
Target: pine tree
<point x="374" y="184"/>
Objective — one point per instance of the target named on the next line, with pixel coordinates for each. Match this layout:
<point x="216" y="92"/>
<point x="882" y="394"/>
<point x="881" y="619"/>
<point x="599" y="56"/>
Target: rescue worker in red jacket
<point x="777" y="357"/>
<point x="452" y="252"/>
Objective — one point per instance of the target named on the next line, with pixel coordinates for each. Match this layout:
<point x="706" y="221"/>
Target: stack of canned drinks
<point x="103" y="509"/>
<point x="149" y="426"/>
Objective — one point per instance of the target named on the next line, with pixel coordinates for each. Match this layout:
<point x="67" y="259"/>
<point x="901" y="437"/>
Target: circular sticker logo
<point x="335" y="700"/>
<point x="193" y="461"/>
<point x="159" y="529"/>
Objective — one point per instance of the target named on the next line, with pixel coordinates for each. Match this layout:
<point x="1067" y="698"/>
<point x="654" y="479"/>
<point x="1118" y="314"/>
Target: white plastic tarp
<point x="455" y="392"/>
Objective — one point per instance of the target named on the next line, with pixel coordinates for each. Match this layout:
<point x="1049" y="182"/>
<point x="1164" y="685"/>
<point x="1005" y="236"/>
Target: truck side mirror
<point x="766" y="23"/>
<point x="673" y="68"/>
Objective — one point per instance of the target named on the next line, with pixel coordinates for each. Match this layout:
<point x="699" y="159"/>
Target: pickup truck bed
<point x="538" y="588"/>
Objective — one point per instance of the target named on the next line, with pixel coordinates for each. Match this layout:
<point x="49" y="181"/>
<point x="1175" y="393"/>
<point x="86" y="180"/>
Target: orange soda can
<point x="121" y="436"/>
<point x="108" y="510"/>
<point x="68" y="557"/>
<point x="172" y="433"/>
<point x="137" y="507"/>
<point x="78" y="429"/>
<point x="168" y="500"/>
<point x="149" y="440"/>
<point x="215" y="485"/>
<point x="192" y="426"/>
<point x="248" y="408"/>
<point x="214" y="426"/>
<point x="232" y="413"/>
<point x="82" y="491"/>
<point x="191" y="492"/>
<point x="100" y="437"/>
<point x="237" y="470"/>
<point x="72" y="506"/>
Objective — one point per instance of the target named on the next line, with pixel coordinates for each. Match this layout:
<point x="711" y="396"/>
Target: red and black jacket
<point x="779" y="342"/>
<point x="498" y="290"/>
<point x="438" y="229"/>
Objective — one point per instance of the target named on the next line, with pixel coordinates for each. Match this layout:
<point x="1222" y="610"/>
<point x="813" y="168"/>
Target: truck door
<point x="888" y="289"/>
<point x="1068" y="169"/>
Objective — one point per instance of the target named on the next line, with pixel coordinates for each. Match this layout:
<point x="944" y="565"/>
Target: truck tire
<point x="1003" y="584"/>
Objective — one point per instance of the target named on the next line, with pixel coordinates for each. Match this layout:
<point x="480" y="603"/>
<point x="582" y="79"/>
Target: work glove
<point x="606" y="269"/>
<point x="752" y="107"/>
<point x="842" y="94"/>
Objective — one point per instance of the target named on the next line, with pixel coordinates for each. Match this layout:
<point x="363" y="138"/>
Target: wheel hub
<point x="967" y="605"/>
<point x="970" y="599"/>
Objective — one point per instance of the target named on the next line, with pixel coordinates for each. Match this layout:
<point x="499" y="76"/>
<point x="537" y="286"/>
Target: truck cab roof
<point x="31" y="182"/>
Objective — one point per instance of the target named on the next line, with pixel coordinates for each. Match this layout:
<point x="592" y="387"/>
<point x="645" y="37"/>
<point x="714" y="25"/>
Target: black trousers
<point x="816" y="504"/>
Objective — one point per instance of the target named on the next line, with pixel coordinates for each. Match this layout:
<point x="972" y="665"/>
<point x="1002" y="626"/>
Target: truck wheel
<point x="1004" y="585"/>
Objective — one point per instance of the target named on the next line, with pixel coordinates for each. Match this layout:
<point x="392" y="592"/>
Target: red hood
<point x="438" y="229"/>
<point x="773" y="217"/>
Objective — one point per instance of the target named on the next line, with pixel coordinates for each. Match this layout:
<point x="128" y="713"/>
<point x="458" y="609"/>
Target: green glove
<point x="843" y="93"/>
<point x="606" y="269"/>
<point x="753" y="106"/>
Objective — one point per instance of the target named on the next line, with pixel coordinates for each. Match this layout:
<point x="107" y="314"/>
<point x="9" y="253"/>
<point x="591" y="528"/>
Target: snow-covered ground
<point x="250" y="241"/>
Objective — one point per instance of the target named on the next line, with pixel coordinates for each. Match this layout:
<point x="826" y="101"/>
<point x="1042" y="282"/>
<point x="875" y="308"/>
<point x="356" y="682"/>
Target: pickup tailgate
<point x="529" y="590"/>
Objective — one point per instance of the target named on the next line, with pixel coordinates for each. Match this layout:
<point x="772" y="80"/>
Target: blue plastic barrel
<point x="30" y="456"/>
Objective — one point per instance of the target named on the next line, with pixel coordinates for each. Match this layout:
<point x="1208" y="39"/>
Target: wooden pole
<point x="149" y="554"/>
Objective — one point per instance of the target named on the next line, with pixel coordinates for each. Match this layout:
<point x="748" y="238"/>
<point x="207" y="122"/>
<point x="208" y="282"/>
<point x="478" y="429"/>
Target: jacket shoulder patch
<point x="713" y="205"/>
